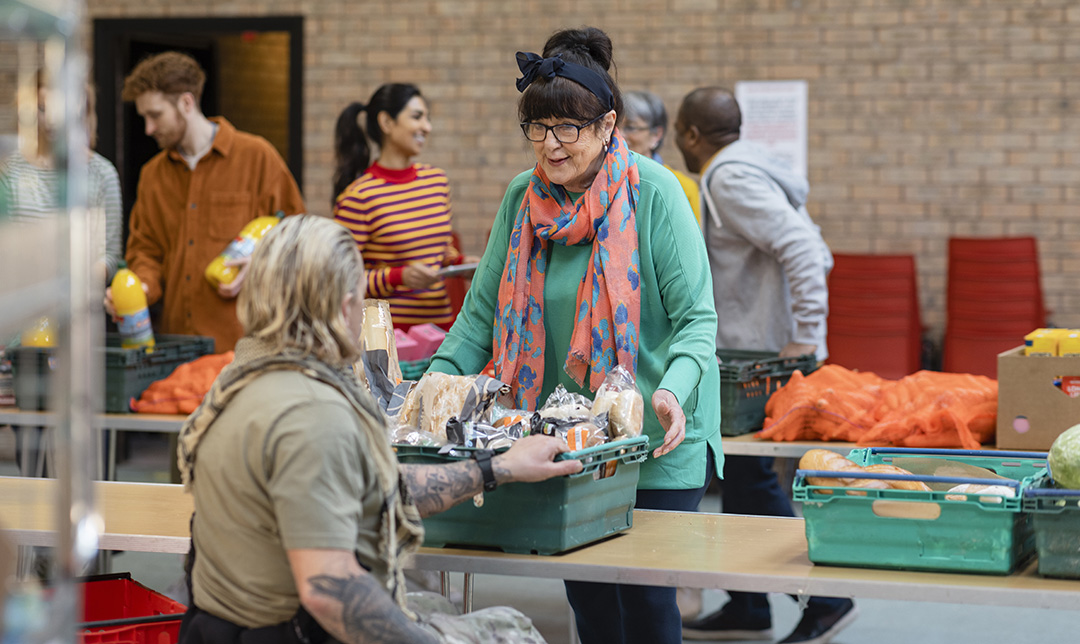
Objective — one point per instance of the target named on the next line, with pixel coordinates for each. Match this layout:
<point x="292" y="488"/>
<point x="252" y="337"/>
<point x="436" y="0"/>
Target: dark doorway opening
<point x="254" y="69"/>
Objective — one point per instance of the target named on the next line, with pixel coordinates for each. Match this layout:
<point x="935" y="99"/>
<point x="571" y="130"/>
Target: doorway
<point x="254" y="69"/>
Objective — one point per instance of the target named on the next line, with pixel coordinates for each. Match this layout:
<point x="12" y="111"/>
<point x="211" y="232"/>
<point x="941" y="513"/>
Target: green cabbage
<point x="1064" y="458"/>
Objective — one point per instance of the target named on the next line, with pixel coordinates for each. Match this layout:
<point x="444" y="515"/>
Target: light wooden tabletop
<point x="734" y="552"/>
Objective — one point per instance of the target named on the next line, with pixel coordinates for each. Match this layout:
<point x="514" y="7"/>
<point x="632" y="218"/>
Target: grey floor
<point x="879" y="622"/>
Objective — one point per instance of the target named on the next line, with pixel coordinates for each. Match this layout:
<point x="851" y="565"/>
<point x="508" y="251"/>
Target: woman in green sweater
<point x="595" y="260"/>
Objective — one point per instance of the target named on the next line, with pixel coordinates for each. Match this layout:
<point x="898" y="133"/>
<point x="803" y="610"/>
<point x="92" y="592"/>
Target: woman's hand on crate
<point x="795" y="349"/>
<point x="531" y="459"/>
<point x="672" y="419"/>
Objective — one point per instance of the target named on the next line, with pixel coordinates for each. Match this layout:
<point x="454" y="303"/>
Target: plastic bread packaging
<point x="621" y="400"/>
<point x="481" y="435"/>
<point x="585" y="434"/>
<point x="563" y="405"/>
<point x="961" y="492"/>
<point x="438" y="397"/>
<point x="403" y="435"/>
<point x="378" y="367"/>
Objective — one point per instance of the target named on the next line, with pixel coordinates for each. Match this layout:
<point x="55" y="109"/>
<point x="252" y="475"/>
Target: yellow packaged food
<point x="217" y="272"/>
<point x="40" y="334"/>
<point x="1041" y="342"/>
<point x="129" y="300"/>
<point x="1069" y="344"/>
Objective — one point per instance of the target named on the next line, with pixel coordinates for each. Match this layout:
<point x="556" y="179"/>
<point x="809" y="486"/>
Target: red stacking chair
<point x="455" y="286"/>
<point x="874" y="323"/>
<point x="994" y="298"/>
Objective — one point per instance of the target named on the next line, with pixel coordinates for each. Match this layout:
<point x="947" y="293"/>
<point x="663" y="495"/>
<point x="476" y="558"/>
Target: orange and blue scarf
<point x="608" y="305"/>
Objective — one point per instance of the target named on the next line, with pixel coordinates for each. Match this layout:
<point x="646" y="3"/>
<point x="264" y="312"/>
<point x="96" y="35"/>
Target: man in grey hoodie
<point x="769" y="266"/>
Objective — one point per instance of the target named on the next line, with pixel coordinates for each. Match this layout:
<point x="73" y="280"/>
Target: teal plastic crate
<point x="747" y="380"/>
<point x="1056" y="514"/>
<point x="414" y="369"/>
<point x="913" y="530"/>
<point x="544" y="518"/>
<point x="128" y="372"/>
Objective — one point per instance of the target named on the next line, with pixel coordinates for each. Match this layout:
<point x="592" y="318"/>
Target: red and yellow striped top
<point x="399" y="217"/>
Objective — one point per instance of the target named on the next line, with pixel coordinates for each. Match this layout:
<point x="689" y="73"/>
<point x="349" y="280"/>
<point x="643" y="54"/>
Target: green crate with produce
<point x="544" y="518"/>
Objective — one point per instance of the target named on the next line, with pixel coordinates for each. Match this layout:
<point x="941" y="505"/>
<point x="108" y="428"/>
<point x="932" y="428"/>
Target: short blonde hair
<point x="294" y="291"/>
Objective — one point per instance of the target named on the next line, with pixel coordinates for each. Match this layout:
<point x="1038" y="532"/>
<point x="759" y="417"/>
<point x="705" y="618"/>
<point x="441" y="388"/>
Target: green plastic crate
<point x="747" y="379"/>
<point x="1056" y="513"/>
<point x="128" y="372"/>
<point x="913" y="530"/>
<point x="414" y="369"/>
<point x="544" y="518"/>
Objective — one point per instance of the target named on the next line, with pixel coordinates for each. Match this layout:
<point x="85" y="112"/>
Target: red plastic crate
<point x="118" y="596"/>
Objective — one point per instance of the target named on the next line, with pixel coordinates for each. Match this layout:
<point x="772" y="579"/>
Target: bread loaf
<point x="823" y="459"/>
<point x="885" y="468"/>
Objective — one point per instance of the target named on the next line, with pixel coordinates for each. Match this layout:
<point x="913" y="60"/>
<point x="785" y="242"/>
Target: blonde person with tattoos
<point x="302" y="513"/>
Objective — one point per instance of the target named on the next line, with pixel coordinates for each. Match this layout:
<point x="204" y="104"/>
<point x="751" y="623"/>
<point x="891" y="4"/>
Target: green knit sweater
<point x="677" y="333"/>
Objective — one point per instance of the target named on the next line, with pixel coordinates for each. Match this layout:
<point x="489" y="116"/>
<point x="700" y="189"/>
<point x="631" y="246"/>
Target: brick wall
<point x="928" y="118"/>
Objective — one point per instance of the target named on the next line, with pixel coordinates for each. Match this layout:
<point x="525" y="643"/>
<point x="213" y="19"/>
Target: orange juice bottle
<point x="40" y="334"/>
<point x="129" y="300"/>
<point x="217" y="272"/>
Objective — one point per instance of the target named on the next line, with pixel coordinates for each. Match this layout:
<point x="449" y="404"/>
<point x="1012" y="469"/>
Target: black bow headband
<point x="533" y="66"/>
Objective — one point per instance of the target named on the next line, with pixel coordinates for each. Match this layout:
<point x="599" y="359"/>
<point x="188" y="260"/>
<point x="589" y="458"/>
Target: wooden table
<point x="697" y="550"/>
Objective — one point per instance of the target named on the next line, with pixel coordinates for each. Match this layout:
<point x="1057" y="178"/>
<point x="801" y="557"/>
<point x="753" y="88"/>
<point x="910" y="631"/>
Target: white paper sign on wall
<point x="774" y="115"/>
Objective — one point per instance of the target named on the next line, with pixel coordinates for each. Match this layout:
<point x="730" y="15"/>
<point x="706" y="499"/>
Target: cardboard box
<point x="1033" y="409"/>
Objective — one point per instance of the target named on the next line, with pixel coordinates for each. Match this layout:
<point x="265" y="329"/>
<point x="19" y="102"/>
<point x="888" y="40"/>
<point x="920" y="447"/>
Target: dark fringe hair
<point x="561" y="97"/>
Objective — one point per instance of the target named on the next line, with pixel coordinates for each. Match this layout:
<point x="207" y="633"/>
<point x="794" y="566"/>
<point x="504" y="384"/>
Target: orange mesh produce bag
<point x="183" y="390"/>
<point x="925" y="409"/>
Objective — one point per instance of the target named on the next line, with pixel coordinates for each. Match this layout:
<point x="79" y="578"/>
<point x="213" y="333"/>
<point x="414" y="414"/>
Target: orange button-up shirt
<point x="183" y="218"/>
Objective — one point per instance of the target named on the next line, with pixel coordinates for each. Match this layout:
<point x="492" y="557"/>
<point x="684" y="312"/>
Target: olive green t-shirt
<point x="282" y="467"/>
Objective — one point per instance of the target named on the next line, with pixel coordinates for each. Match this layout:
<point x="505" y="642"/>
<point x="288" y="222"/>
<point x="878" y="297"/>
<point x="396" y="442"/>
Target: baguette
<point x="885" y="468"/>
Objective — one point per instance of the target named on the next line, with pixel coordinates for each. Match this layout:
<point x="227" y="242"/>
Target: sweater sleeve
<point x="468" y="346"/>
<point x="114" y="215"/>
<point x="682" y="273"/>
<point x="757" y="210"/>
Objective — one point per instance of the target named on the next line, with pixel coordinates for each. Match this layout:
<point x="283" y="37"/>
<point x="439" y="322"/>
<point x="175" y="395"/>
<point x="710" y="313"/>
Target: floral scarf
<point x="608" y="305"/>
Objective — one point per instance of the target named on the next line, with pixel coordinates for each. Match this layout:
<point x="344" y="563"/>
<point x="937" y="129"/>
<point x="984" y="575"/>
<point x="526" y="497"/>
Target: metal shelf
<point x="45" y="268"/>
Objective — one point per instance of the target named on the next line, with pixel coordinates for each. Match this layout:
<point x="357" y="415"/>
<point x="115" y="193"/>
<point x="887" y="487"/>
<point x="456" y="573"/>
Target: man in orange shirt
<point x="194" y="197"/>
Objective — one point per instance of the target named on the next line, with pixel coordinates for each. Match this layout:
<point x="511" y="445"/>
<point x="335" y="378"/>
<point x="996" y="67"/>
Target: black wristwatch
<point x="483" y="459"/>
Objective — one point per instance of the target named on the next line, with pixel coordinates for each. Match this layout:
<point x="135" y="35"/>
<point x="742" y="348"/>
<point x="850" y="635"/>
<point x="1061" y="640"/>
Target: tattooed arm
<point x="436" y="488"/>
<point x="348" y="602"/>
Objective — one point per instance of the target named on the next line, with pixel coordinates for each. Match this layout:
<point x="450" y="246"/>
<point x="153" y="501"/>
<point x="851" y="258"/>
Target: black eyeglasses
<point x="564" y="132"/>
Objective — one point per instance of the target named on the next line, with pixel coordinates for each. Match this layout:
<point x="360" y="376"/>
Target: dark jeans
<point x="630" y="614"/>
<point x="750" y="486"/>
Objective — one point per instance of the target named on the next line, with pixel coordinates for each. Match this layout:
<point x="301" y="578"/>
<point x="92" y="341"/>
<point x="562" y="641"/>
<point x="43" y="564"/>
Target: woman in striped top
<point x="397" y="211"/>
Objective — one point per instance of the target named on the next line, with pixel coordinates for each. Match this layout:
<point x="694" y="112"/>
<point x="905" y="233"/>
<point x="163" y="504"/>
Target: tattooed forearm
<point x="367" y="613"/>
<point x="436" y="488"/>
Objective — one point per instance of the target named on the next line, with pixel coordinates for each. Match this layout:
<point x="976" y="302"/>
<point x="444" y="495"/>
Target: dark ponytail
<point x="351" y="149"/>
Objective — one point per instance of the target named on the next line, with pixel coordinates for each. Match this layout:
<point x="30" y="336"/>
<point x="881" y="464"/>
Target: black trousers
<point x="200" y="627"/>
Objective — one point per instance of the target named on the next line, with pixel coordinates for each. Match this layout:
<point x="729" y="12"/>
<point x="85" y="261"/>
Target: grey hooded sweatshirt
<point x="769" y="262"/>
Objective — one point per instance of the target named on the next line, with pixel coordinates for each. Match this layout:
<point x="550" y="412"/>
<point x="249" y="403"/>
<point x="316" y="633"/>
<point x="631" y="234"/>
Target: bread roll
<point x="824" y="459"/>
<point x="961" y="492"/>
<point x="885" y="468"/>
